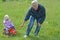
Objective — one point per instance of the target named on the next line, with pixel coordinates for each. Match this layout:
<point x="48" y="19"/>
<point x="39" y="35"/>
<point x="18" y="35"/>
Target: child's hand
<point x="8" y="26"/>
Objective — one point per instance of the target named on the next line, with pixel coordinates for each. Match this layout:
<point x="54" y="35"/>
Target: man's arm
<point x="26" y="18"/>
<point x="43" y="15"/>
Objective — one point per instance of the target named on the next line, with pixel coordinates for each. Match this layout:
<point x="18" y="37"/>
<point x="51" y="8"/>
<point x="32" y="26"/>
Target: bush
<point x="3" y="0"/>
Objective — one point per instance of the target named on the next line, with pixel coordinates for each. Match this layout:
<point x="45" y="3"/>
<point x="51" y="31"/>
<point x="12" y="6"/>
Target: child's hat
<point x="6" y="16"/>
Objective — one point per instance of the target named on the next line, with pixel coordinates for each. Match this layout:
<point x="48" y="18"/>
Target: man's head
<point x="35" y="5"/>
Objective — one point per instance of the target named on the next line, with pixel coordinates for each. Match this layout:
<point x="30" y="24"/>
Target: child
<point x="9" y="28"/>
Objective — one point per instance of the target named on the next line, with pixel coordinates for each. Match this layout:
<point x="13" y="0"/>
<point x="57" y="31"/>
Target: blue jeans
<point x="6" y="30"/>
<point x="30" y="25"/>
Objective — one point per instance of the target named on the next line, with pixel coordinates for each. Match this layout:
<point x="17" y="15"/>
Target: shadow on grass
<point x="18" y="34"/>
<point x="34" y="38"/>
<point x="38" y="38"/>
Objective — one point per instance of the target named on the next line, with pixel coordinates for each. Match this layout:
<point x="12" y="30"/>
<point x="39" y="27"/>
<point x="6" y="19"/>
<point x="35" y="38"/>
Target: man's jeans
<point x="32" y="19"/>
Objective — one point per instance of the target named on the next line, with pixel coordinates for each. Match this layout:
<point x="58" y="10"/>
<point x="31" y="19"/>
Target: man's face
<point x="35" y="7"/>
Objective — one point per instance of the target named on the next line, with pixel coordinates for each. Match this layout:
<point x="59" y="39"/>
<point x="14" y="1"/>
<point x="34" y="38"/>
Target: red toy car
<point x="11" y="31"/>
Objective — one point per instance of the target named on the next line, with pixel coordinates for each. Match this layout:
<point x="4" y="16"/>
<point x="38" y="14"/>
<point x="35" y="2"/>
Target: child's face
<point x="6" y="18"/>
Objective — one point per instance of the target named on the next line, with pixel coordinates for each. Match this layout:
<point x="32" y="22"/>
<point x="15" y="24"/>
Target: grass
<point x="17" y="10"/>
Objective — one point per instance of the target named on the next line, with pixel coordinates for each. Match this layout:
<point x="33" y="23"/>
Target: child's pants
<point x="7" y="30"/>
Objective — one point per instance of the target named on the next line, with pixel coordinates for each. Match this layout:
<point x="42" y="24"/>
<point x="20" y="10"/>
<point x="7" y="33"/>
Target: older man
<point x="37" y="12"/>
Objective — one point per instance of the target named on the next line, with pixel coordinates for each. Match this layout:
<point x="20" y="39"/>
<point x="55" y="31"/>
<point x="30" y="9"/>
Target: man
<point x="37" y="12"/>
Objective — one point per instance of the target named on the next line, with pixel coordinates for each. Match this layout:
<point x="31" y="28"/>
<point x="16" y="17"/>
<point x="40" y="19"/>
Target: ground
<point x="17" y="9"/>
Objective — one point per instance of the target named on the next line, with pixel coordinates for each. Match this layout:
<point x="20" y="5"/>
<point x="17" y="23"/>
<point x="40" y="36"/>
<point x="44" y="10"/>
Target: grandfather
<point x="36" y="12"/>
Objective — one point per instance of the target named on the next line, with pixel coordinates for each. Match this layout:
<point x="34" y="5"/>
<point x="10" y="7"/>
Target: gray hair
<point x="34" y="2"/>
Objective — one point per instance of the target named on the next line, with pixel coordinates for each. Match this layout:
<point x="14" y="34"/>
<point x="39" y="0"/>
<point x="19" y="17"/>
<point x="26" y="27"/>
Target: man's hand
<point x="22" y="24"/>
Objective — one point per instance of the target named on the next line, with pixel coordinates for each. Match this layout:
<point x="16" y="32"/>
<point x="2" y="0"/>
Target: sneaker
<point x="25" y="36"/>
<point x="36" y="35"/>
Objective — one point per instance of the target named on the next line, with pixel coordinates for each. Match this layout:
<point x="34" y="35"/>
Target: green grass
<point x="17" y="10"/>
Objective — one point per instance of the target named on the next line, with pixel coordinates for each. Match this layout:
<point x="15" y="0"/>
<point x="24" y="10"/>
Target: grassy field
<point x="17" y="10"/>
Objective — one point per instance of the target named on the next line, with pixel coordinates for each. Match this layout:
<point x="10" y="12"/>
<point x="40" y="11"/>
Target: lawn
<point x="50" y="29"/>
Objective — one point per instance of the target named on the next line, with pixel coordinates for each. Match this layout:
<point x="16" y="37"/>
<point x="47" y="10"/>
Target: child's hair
<point x="6" y="17"/>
